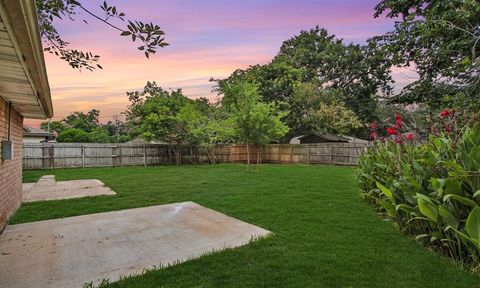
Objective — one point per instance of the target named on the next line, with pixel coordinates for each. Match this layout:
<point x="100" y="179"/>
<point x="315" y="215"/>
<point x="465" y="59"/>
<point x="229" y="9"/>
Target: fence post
<point x="308" y="155"/>
<point x="291" y="154"/>
<point x="144" y="155"/>
<point x="52" y="156"/>
<point x="331" y="155"/>
<point x="120" y="155"/>
<point x="278" y="153"/>
<point x="83" y="156"/>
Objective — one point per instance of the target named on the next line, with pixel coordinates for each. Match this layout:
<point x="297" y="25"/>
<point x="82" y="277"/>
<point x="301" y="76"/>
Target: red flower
<point x="398" y="121"/>
<point x="445" y="113"/>
<point x="374" y="125"/>
<point x="392" y="131"/>
<point x="373" y="135"/>
<point x="410" y="136"/>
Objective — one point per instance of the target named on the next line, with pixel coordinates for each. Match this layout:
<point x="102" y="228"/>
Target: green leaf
<point x="460" y="199"/>
<point x="389" y="208"/>
<point x="405" y="207"/>
<point x="476" y="193"/>
<point x="453" y="186"/>
<point x="448" y="217"/>
<point x="464" y="236"/>
<point x="387" y="192"/>
<point x="473" y="224"/>
<point x="427" y="207"/>
<point x="438" y="185"/>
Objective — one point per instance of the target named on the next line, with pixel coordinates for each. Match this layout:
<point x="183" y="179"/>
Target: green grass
<point x="324" y="234"/>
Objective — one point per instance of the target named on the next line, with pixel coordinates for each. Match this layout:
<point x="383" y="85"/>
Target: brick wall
<point x="11" y="170"/>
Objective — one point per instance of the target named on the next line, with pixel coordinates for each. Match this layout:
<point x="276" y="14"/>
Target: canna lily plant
<point x="431" y="188"/>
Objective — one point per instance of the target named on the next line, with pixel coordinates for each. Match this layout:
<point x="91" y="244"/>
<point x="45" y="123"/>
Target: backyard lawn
<point x="324" y="234"/>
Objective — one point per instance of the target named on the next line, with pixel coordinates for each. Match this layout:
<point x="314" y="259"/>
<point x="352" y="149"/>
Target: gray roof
<point x="36" y="132"/>
<point x="327" y="137"/>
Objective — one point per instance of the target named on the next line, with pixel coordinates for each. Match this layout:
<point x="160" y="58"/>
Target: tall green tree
<point x="83" y="121"/>
<point x="440" y="40"/>
<point x="274" y="81"/>
<point x="56" y="126"/>
<point x="166" y="116"/>
<point x="73" y="135"/>
<point x="318" y="110"/>
<point x="359" y="72"/>
<point x="255" y="122"/>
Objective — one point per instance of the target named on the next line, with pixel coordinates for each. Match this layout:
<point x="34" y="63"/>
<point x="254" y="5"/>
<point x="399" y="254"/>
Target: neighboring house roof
<point x="327" y="137"/>
<point x="36" y="132"/>
<point x="143" y="141"/>
<point x="352" y="139"/>
<point x="23" y="76"/>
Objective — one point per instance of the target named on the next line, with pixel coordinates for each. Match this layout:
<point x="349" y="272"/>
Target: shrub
<point x="73" y="135"/>
<point x="430" y="188"/>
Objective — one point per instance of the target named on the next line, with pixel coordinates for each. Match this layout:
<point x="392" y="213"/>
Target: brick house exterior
<point x="10" y="170"/>
<point x="24" y="93"/>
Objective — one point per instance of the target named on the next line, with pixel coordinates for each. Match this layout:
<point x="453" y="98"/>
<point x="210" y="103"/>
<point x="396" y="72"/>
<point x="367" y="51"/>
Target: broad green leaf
<point x="460" y="199"/>
<point x="405" y="207"/>
<point x="427" y="207"/>
<point x="389" y="208"/>
<point x="438" y="185"/>
<point x="448" y="217"/>
<point x="464" y="236"/>
<point x="473" y="224"/>
<point x="387" y="192"/>
<point x="476" y="193"/>
<point x="453" y="186"/>
<point x="417" y="218"/>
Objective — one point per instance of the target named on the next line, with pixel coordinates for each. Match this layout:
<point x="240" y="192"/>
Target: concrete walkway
<point x="48" y="189"/>
<point x="71" y="251"/>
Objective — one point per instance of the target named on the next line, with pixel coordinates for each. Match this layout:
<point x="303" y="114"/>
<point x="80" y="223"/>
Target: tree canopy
<point x="254" y="122"/>
<point x="357" y="72"/>
<point x="68" y="129"/>
<point x="440" y="41"/>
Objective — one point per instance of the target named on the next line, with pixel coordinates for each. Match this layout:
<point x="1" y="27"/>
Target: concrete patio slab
<point x="48" y="189"/>
<point x="71" y="251"/>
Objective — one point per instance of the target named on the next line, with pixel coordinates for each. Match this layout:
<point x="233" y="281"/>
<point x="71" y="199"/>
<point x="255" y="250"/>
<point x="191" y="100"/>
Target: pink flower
<point x="373" y="135"/>
<point x="392" y="131"/>
<point x="374" y="125"/>
<point x="410" y="136"/>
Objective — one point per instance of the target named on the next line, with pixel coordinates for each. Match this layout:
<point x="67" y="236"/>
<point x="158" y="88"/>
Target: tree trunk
<point x="177" y="156"/>
<point x="208" y="155"/>
<point x="213" y="154"/>
<point x="192" y="159"/>
<point x="248" y="155"/>
<point x="258" y="156"/>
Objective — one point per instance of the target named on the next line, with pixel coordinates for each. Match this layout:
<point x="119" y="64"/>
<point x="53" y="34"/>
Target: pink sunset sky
<point x="209" y="38"/>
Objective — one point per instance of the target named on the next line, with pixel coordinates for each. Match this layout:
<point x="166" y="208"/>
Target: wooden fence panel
<point x="72" y="155"/>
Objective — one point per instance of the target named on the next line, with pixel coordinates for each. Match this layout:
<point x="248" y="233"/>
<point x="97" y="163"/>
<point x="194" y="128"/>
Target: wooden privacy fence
<point x="71" y="155"/>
